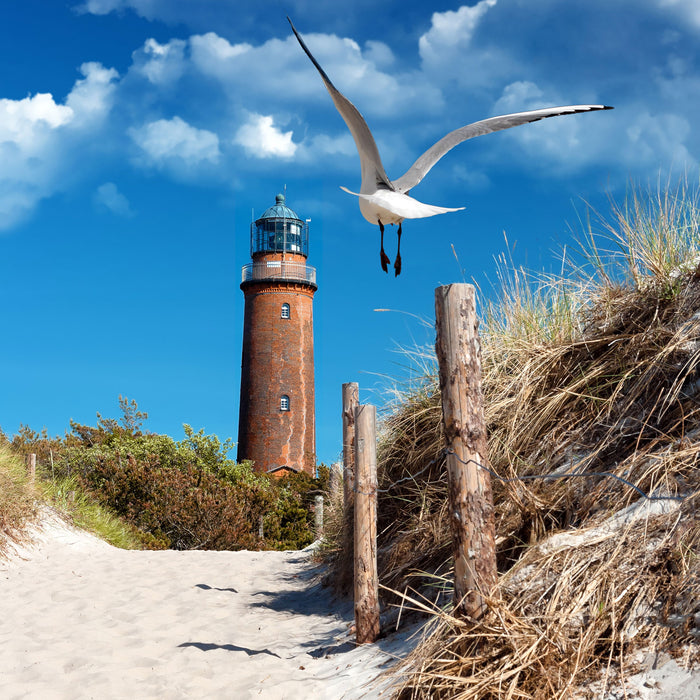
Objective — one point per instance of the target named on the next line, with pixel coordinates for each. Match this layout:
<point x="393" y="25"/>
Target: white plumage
<point x="383" y="201"/>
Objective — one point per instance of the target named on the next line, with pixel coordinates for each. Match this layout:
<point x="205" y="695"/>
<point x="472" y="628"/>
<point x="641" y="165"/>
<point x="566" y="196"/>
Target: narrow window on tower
<point x="285" y="311"/>
<point x="284" y="403"/>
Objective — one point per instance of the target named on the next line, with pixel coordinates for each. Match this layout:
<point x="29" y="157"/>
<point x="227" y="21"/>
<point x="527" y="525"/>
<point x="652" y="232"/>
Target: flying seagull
<point x="384" y="201"/>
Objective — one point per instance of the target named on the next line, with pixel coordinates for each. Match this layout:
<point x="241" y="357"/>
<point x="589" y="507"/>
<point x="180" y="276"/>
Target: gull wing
<point x="373" y="174"/>
<point x="486" y="126"/>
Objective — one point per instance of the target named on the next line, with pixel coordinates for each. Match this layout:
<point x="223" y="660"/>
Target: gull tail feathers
<point x="401" y="206"/>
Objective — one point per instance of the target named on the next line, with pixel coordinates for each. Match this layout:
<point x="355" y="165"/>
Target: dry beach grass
<point x="593" y="372"/>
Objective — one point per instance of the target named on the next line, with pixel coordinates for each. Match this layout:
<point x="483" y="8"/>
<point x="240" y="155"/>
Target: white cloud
<point x="474" y="180"/>
<point x="160" y="64"/>
<point x="657" y="141"/>
<point x="211" y="53"/>
<point x="262" y="139"/>
<point x="456" y="49"/>
<point x="101" y="7"/>
<point x="450" y="30"/>
<point x="109" y="197"/>
<point x="41" y="140"/>
<point x="378" y="53"/>
<point x="167" y="140"/>
<point x="92" y="97"/>
<point x="342" y="145"/>
<point x="519" y="96"/>
<point x="689" y="10"/>
<point x="279" y="70"/>
<point x="25" y="122"/>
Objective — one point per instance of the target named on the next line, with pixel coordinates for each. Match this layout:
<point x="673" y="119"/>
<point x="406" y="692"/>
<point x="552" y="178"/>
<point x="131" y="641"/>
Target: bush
<point x="183" y="495"/>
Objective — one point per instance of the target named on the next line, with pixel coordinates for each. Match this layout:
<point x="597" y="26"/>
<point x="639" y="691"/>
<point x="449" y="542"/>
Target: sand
<point x="82" y="619"/>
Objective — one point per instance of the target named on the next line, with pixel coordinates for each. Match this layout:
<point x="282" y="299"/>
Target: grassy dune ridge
<point x="596" y="369"/>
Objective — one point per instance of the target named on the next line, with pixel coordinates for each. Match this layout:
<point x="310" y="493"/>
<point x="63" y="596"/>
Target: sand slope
<point x="82" y="619"/>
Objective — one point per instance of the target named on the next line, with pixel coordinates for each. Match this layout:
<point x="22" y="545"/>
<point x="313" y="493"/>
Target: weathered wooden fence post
<point x="366" y="583"/>
<point x="30" y="463"/>
<point x="351" y="399"/>
<point x="318" y="516"/>
<point x="470" y="500"/>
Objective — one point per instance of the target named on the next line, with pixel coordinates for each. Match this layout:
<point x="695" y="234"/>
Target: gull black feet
<point x="397" y="262"/>
<point x="384" y="260"/>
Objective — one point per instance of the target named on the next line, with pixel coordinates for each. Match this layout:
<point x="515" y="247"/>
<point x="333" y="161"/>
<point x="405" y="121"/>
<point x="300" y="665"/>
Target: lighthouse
<point x="276" y="416"/>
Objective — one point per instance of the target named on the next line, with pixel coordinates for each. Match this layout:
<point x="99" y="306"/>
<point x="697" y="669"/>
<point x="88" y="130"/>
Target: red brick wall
<point x="278" y="359"/>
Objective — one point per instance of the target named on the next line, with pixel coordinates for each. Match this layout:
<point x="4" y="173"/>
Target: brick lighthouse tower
<point x="276" y="417"/>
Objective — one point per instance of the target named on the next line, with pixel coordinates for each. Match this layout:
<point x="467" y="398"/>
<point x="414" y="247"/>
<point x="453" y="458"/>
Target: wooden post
<point x="318" y="516"/>
<point x="366" y="583"/>
<point x="470" y="500"/>
<point x="351" y="399"/>
<point x="30" y="462"/>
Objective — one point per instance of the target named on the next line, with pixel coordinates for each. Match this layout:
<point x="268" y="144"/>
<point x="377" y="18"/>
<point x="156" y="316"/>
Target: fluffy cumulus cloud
<point x="40" y="139"/>
<point x="160" y="64"/>
<point x="264" y="98"/>
<point x="175" y="142"/>
<point x="448" y="52"/>
<point x="278" y="70"/>
<point x="262" y="139"/>
<point x="26" y="123"/>
<point x="213" y="54"/>
<point x="451" y="29"/>
<point x="108" y="197"/>
<point x="92" y="97"/>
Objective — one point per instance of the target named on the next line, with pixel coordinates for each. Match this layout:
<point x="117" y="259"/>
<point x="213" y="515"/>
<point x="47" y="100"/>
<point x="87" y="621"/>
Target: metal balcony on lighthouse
<point x="279" y="246"/>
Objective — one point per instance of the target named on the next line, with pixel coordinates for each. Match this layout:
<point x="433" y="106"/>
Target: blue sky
<point x="137" y="136"/>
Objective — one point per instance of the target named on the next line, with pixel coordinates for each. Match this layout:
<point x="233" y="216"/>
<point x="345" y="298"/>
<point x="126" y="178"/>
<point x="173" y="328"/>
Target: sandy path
<point x="82" y="619"/>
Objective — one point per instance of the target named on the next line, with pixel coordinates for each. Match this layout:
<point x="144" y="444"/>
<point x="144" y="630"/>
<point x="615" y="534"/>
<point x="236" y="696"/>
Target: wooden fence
<point x="471" y="511"/>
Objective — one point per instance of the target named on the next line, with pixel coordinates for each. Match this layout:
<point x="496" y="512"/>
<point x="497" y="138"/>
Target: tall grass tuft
<point x="17" y="504"/>
<point x="86" y="512"/>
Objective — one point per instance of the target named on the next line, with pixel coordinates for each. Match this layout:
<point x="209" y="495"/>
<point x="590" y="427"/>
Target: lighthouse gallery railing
<point x="280" y="269"/>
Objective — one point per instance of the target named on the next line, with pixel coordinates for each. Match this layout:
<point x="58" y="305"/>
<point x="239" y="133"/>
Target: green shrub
<point x="181" y="495"/>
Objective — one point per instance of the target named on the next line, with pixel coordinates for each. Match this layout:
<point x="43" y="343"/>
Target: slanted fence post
<point x="366" y="582"/>
<point x="471" y="512"/>
<point x="30" y="463"/>
<point x="351" y="399"/>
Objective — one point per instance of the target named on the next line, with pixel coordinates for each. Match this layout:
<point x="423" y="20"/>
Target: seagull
<point x="384" y="201"/>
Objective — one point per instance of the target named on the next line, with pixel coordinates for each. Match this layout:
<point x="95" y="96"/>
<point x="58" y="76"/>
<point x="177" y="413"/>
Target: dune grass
<point x="17" y="499"/>
<point x="84" y="511"/>
<point x="594" y="370"/>
<point x="21" y="499"/>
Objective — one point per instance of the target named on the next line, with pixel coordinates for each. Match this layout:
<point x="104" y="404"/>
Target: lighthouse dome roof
<point x="280" y="210"/>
